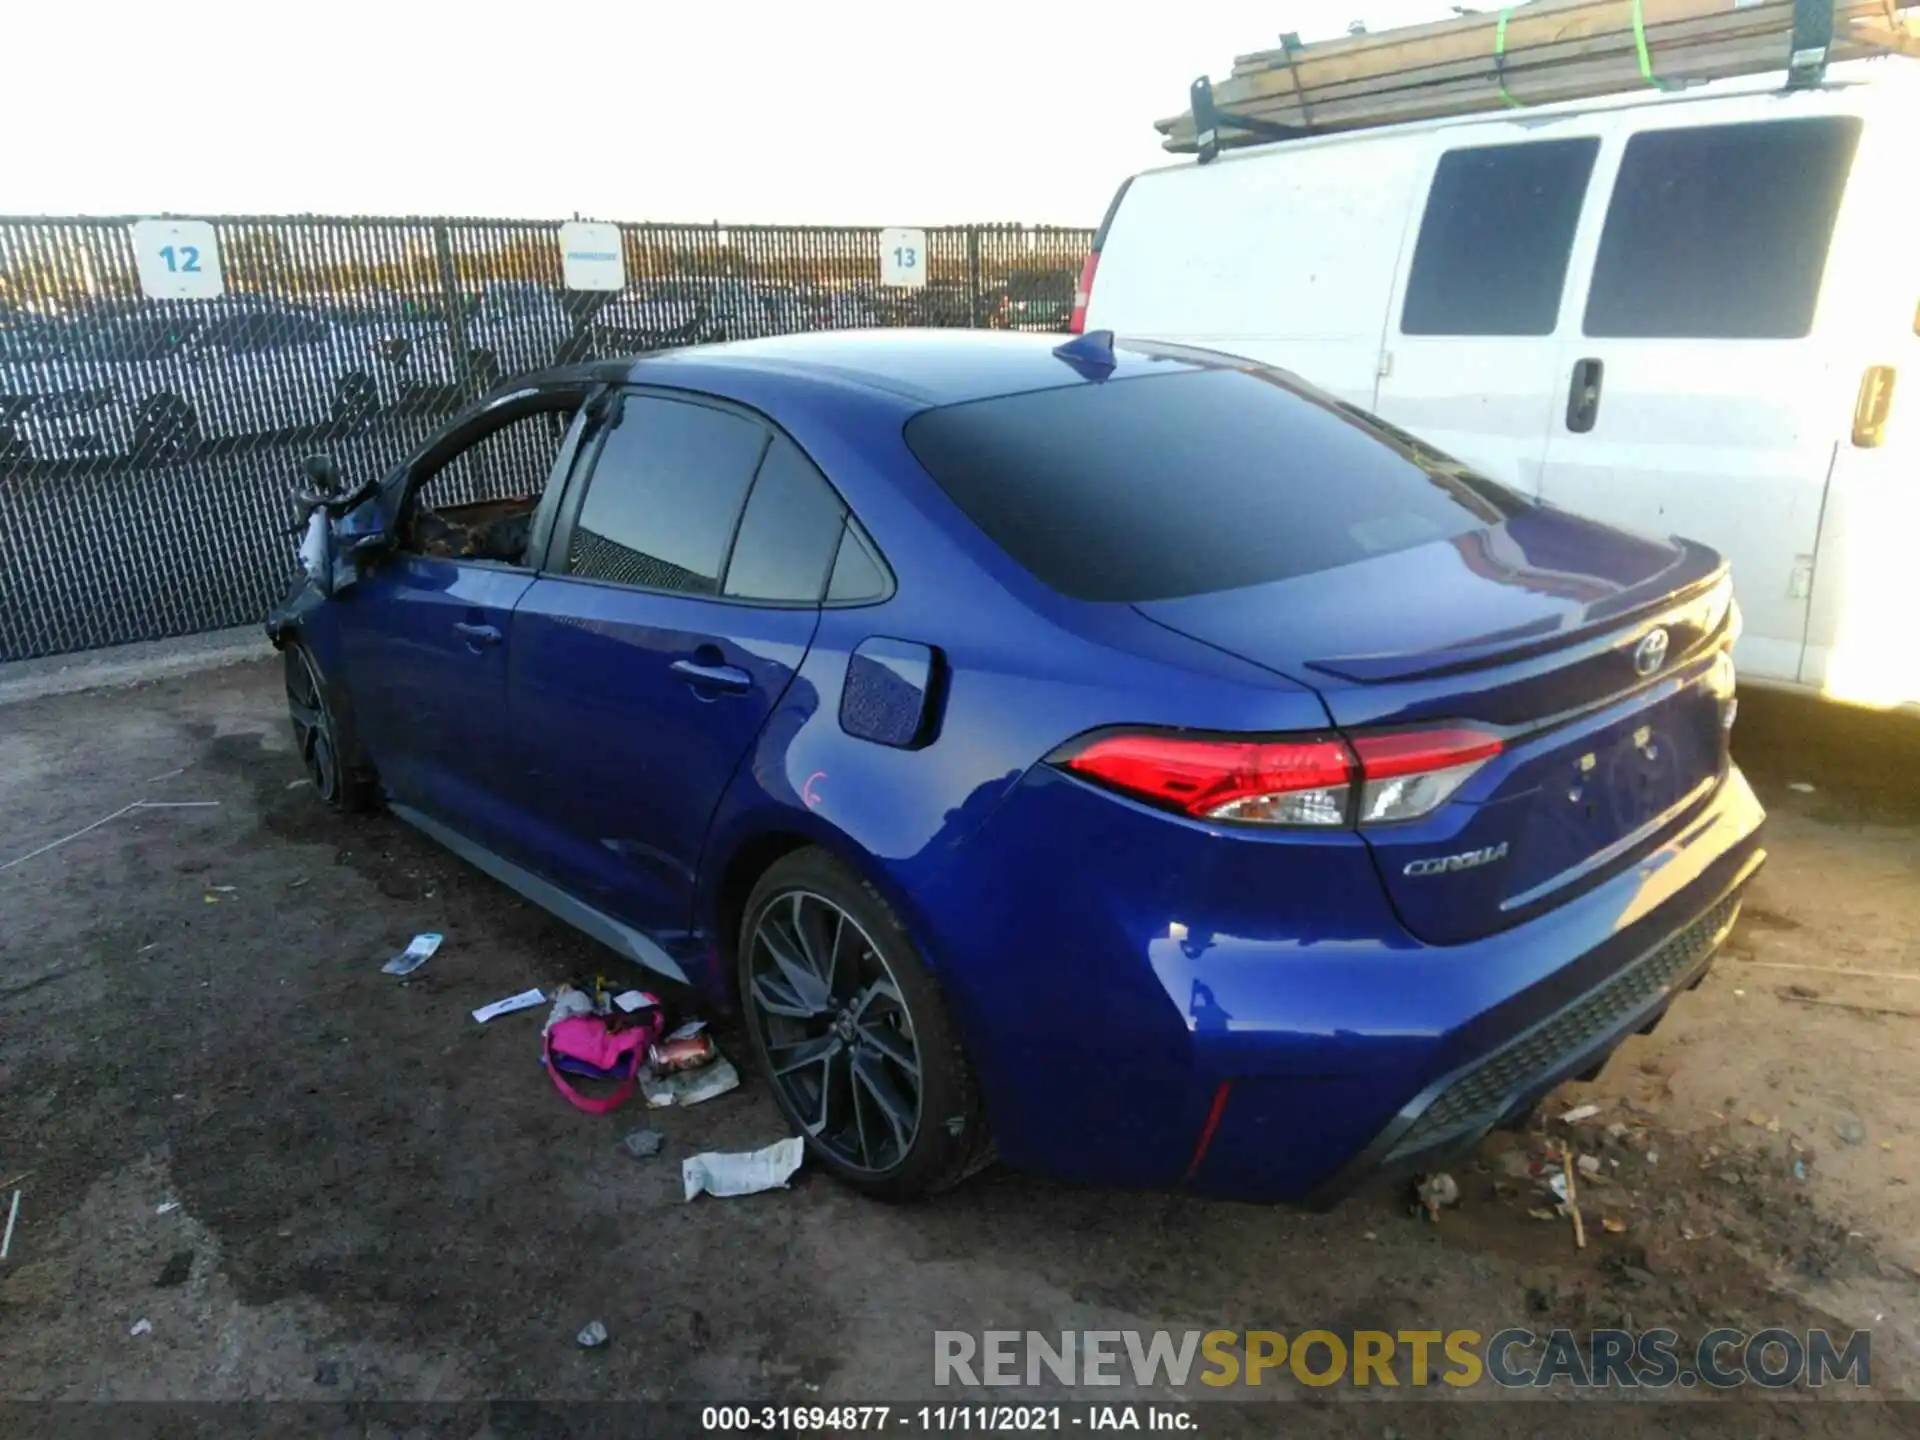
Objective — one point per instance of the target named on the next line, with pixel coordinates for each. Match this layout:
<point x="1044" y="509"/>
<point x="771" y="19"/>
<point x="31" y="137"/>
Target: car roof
<point x="915" y="369"/>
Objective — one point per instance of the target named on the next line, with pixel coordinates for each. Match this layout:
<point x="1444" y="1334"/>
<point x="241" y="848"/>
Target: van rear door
<point x="1701" y="392"/>
<point x="1470" y="352"/>
<point x="1285" y="254"/>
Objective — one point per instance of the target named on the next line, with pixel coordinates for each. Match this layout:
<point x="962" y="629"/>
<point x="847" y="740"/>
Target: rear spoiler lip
<point x="1615" y="613"/>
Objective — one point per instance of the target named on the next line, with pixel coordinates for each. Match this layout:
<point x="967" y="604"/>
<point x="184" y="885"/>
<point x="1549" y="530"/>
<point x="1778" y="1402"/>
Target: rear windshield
<point x="1162" y="486"/>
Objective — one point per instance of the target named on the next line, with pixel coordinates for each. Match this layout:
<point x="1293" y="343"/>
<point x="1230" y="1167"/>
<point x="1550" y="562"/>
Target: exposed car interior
<point x="474" y="496"/>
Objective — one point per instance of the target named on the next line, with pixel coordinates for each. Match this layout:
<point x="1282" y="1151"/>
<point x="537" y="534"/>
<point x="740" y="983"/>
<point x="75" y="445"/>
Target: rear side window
<point x="789" y="534"/>
<point x="1494" y="242"/>
<point x="1189" y="483"/>
<point x="1721" y="232"/>
<point x="665" y="493"/>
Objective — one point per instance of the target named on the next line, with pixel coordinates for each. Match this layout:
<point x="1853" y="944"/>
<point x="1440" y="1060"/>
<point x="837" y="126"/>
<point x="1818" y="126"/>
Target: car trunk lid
<point x="1599" y="659"/>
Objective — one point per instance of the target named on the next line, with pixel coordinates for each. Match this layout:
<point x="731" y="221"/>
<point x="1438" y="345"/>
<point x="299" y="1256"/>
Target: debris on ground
<point x="419" y="950"/>
<point x="1613" y="1225"/>
<point x="1437" y="1192"/>
<point x="1800" y="787"/>
<point x="1579" y="1113"/>
<point x="141" y="1327"/>
<point x="689" y="1053"/>
<point x="686" y="1031"/>
<point x="13" y="1215"/>
<point x="525" y="1000"/>
<point x="689" y="1087"/>
<point x="642" y="1143"/>
<point x="166" y="1207"/>
<point x="1589" y="1165"/>
<point x="327" y="1372"/>
<point x="632" y="1000"/>
<point x="1849" y="1131"/>
<point x="592" y="1336"/>
<point x="745" y="1173"/>
<point x="1571" y="1197"/>
<point x="175" y="1272"/>
<point x="123" y="810"/>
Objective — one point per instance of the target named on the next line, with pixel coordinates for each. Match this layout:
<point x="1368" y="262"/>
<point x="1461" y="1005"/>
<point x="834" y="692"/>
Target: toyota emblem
<point x="1651" y="653"/>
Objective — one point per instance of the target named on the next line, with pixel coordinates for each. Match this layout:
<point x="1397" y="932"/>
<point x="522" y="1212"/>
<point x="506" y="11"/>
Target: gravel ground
<point x="316" y="1183"/>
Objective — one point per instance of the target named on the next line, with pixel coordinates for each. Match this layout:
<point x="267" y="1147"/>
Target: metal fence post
<point x="973" y="276"/>
<point x="453" y="303"/>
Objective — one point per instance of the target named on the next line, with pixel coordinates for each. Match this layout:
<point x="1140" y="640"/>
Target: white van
<point x="1679" y="312"/>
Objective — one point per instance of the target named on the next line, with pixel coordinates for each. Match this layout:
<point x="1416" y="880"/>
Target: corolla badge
<point x="1651" y="653"/>
<point x="1466" y="860"/>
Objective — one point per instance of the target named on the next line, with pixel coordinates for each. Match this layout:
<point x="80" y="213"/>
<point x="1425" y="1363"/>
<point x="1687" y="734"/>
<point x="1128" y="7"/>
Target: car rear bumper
<point x="1249" y="1020"/>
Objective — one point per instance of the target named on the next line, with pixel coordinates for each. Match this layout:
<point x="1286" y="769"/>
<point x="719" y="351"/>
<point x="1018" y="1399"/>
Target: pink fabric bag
<point x="586" y="1038"/>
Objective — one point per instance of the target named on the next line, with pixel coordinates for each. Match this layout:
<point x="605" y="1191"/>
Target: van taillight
<point x="1368" y="778"/>
<point x="1083" y="293"/>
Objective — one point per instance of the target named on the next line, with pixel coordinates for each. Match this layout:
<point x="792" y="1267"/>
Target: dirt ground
<point x="314" y="1182"/>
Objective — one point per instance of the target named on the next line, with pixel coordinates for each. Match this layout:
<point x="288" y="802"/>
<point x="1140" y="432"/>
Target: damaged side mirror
<point x="323" y="475"/>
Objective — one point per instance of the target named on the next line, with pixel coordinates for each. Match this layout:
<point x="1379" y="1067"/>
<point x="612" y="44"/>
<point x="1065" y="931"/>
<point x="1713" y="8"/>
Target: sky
<point x="834" y="112"/>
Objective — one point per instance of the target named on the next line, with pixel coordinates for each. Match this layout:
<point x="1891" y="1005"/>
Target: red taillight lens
<point x="1272" y="782"/>
<point x="1306" y="780"/>
<point x="1083" y="293"/>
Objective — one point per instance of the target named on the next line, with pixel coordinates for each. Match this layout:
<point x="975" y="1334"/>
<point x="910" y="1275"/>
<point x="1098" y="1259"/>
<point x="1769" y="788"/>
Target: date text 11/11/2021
<point x="942" y="1419"/>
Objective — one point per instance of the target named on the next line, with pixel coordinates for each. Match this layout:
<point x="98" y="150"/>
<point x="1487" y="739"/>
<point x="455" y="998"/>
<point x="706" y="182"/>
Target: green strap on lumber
<point x="1640" y="47"/>
<point x="1500" y="57"/>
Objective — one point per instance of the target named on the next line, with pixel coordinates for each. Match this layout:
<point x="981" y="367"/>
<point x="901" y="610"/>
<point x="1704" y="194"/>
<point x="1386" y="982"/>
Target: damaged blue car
<point x="1123" y="759"/>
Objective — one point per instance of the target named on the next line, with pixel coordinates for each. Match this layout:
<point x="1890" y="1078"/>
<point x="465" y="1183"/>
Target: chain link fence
<point x="149" y="447"/>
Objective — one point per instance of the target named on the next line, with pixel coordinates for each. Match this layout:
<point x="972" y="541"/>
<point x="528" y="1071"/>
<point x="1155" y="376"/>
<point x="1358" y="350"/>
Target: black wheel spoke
<point x="803" y="981"/>
<point x="871" y="1077"/>
<point x="813" y="1050"/>
<point x="306" y="716"/>
<point x="893" y="1046"/>
<point x="773" y="994"/>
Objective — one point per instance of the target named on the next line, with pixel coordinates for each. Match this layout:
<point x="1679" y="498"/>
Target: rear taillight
<point x="1325" y="780"/>
<point x="1083" y="293"/>
<point x="1408" y="773"/>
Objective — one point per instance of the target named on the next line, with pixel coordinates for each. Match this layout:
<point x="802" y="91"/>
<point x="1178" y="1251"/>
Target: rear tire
<point x="852" y="1033"/>
<point x="324" y="737"/>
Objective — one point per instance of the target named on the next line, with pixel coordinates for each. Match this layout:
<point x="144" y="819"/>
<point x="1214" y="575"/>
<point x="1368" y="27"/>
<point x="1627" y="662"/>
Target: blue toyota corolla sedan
<point x="1124" y="759"/>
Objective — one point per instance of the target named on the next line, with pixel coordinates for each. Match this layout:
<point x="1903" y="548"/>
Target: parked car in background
<point x="1121" y="756"/>
<point x="1671" y="311"/>
<point x="514" y="327"/>
<point x="651" y="317"/>
<point x="157" y="381"/>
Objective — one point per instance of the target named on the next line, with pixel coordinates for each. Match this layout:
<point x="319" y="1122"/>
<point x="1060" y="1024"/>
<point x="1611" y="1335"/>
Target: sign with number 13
<point x="903" y="258"/>
<point x="178" y="259"/>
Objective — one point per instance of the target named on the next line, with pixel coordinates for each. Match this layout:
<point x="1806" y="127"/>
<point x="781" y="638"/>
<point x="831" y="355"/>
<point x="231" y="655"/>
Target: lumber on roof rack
<point x="1533" y="54"/>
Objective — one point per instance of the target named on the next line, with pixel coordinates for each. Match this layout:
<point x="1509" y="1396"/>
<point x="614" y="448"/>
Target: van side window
<point x="1492" y="254"/>
<point x="1721" y="231"/>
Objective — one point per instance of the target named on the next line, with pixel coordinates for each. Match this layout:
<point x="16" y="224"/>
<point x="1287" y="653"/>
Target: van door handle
<point x="1583" y="397"/>
<point x="477" y="635"/>
<point x="713" y="677"/>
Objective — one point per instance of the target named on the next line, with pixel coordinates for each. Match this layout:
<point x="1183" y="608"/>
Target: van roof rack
<point x="1530" y="54"/>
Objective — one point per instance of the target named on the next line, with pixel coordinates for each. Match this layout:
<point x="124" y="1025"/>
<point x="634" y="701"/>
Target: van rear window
<point x="1721" y="231"/>
<point x="1161" y="486"/>
<point x="1494" y="242"/>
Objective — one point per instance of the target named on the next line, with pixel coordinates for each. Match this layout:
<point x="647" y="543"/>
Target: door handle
<point x="1583" y="397"/>
<point x="477" y="635"/>
<point x="713" y="677"/>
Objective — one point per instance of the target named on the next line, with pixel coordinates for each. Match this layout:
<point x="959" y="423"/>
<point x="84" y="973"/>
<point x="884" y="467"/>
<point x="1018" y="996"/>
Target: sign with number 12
<point x="178" y="259"/>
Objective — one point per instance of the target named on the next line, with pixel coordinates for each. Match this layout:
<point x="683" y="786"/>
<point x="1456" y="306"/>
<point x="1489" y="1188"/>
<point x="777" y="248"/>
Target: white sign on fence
<point x="903" y="258"/>
<point x="592" y="256"/>
<point x="178" y="259"/>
